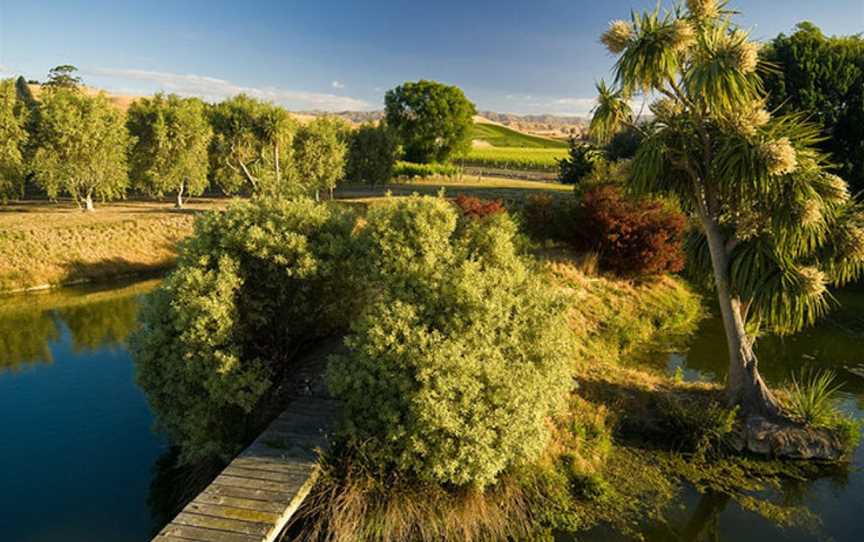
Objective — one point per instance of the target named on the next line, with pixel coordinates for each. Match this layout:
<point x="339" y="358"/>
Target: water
<point x="838" y="502"/>
<point x="76" y="445"/>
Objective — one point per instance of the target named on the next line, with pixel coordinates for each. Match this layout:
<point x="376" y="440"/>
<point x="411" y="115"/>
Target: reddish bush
<point x="477" y="208"/>
<point x="632" y="237"/>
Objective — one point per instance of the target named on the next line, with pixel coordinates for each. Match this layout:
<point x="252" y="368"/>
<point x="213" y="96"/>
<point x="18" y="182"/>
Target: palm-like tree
<point x="776" y="227"/>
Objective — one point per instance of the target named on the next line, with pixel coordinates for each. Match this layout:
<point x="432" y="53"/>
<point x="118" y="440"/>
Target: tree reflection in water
<point x="94" y="319"/>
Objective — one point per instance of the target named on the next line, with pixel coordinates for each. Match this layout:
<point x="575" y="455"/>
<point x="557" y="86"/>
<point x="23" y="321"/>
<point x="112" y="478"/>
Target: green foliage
<point x="13" y="138"/>
<point x="433" y="120"/>
<point x="824" y="77"/>
<point x="252" y="285"/>
<point x="371" y="155"/>
<point x="172" y="136"/>
<point x="538" y="159"/>
<point x="82" y="146"/>
<point x="251" y="149"/>
<point x="623" y="145"/>
<point x="411" y="170"/>
<point x="812" y="398"/>
<point x="319" y="154"/>
<point x="579" y="164"/>
<point x="462" y="354"/>
<point x="502" y="136"/>
<point x="63" y="76"/>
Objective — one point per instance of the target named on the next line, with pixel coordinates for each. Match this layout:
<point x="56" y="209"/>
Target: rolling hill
<point x="496" y="135"/>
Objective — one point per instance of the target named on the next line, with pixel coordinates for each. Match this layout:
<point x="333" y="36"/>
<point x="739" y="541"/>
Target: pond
<point x="77" y="446"/>
<point x="81" y="461"/>
<point x="836" y="344"/>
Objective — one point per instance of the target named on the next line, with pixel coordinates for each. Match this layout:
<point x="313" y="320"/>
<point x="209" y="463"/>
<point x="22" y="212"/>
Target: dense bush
<point x="411" y="170"/>
<point x="251" y="286"/>
<point x="579" y="163"/>
<point x="630" y="236"/>
<point x="371" y="155"/>
<point x="462" y="355"/>
<point x="472" y="207"/>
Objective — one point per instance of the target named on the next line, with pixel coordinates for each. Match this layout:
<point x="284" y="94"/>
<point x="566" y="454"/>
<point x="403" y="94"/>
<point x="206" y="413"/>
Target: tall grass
<point x="812" y="397"/>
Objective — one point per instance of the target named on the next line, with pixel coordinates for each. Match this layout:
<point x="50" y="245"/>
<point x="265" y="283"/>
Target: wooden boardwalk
<point x="254" y="497"/>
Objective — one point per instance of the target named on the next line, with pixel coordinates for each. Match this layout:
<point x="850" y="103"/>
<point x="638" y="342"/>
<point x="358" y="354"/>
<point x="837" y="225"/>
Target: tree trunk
<point x="331" y="193"/>
<point x="744" y="386"/>
<point x="317" y="195"/>
<point x="88" y="202"/>
<point x="179" y="203"/>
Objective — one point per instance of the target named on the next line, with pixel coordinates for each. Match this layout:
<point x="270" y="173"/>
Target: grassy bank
<point x="47" y="244"/>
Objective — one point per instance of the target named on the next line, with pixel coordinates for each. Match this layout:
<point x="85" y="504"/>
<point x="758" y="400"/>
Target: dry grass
<point x="46" y="244"/>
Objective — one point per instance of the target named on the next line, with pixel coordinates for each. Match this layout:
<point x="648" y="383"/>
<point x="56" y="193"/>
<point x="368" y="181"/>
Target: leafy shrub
<point x="623" y="145"/>
<point x="462" y="354"/>
<point x="252" y="284"/>
<point x="371" y="155"/>
<point x="472" y="207"/>
<point x="579" y="163"/>
<point x="412" y="170"/>
<point x="630" y="236"/>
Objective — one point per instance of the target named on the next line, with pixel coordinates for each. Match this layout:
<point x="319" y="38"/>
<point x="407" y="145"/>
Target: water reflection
<point x="94" y="317"/>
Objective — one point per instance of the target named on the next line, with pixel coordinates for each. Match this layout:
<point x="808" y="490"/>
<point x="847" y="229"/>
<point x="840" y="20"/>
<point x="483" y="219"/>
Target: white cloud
<point x="338" y="84"/>
<point x="214" y="89"/>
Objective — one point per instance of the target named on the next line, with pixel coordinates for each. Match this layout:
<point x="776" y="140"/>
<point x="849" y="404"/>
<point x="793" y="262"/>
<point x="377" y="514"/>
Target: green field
<point x="501" y="136"/>
<point x="530" y="159"/>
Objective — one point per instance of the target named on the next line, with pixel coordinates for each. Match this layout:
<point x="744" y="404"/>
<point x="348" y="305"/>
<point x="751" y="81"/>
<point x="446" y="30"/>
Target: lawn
<point x="45" y="244"/>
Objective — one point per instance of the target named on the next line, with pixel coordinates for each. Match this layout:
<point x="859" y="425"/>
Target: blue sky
<point x="525" y="56"/>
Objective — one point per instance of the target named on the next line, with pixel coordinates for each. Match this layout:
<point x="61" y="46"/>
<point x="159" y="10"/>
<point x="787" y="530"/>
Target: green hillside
<point x="501" y="136"/>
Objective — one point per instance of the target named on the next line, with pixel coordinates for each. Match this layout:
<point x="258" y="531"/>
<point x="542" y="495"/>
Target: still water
<point x="76" y="446"/>
<point x="836" y="344"/>
<point x="80" y="461"/>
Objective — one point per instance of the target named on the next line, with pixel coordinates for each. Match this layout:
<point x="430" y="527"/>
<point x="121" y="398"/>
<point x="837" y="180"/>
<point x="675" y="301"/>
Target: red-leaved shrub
<point x="632" y="237"/>
<point x="472" y="207"/>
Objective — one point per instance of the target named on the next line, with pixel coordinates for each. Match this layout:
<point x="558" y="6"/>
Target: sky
<point x="515" y="56"/>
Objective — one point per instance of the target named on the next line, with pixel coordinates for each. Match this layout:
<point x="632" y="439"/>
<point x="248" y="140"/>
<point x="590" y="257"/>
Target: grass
<point x="508" y="190"/>
<point x="501" y="136"/>
<point x="532" y="159"/>
<point x="812" y="398"/>
<point x="47" y="244"/>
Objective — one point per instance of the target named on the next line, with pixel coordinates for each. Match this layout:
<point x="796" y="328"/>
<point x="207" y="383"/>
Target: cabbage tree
<point x="776" y="226"/>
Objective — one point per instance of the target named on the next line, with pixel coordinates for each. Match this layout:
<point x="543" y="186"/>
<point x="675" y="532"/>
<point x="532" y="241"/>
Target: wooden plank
<point x="253" y="505"/>
<point x="232" y="512"/>
<point x="206" y="535"/>
<point x="278" y="497"/>
<point x="237" y="481"/>
<point x="287" y="479"/>
<point x="274" y="465"/>
<point x="222" y="524"/>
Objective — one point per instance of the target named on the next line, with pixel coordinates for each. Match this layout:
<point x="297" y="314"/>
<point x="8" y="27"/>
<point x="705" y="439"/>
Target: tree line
<point x="73" y="143"/>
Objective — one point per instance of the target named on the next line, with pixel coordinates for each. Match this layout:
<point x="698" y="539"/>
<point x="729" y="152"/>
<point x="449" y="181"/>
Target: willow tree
<point x="776" y="226"/>
<point x="251" y="147"/>
<point x="172" y="136"/>
<point x="13" y="137"/>
<point x="82" y="143"/>
<point x="320" y="150"/>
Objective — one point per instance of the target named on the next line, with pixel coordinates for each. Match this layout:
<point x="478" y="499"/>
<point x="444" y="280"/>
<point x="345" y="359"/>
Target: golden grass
<point x="47" y="244"/>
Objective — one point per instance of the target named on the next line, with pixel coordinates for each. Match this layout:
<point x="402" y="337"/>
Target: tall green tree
<point x="63" y="76"/>
<point x="320" y="149"/>
<point x="170" y="154"/>
<point x="432" y="120"/>
<point x="824" y="77"/>
<point x="371" y="154"/>
<point x="82" y="146"/>
<point x="776" y="226"/>
<point x="13" y="139"/>
<point x="251" y="146"/>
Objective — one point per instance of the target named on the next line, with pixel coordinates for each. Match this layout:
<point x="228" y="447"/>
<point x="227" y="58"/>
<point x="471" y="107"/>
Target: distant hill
<point x="554" y="126"/>
<point x="496" y="135"/>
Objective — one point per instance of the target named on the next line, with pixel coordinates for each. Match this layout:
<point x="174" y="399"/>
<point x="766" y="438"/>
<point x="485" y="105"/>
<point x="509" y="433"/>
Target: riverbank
<point x="44" y="244"/>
